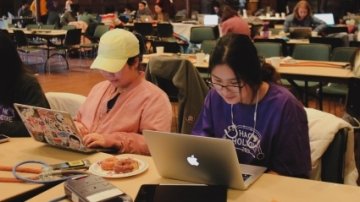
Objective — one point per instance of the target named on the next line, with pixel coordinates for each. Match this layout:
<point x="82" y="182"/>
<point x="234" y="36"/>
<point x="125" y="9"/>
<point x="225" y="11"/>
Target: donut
<point x="126" y="165"/>
<point x="108" y="163"/>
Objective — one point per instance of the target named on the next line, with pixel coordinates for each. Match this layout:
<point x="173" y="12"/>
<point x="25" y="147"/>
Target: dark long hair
<point x="11" y="68"/>
<point x="239" y="53"/>
<point x="227" y="12"/>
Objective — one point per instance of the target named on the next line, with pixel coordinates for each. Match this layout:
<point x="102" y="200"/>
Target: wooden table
<point x="315" y="73"/>
<point x="21" y="149"/>
<point x="268" y="188"/>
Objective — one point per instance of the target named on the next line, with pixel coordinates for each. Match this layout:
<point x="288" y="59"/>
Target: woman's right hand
<point x="81" y="128"/>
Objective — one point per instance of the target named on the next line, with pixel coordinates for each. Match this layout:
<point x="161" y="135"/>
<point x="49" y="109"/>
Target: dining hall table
<point x="268" y="187"/>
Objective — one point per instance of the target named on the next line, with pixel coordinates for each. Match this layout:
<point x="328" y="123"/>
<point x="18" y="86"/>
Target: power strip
<point x="92" y="188"/>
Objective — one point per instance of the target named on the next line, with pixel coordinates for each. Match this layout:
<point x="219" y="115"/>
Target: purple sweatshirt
<point x="280" y="139"/>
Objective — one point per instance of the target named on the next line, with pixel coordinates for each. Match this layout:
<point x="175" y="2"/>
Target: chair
<point x="312" y="51"/>
<point x="190" y="88"/>
<point x="144" y="28"/>
<point x="329" y="140"/>
<point x="340" y="54"/>
<point x="268" y="49"/>
<point x="24" y="46"/>
<point x="283" y="43"/>
<point x="320" y="52"/>
<point x="333" y="160"/>
<point x="99" y="31"/>
<point x="47" y="26"/>
<point x="71" y="42"/>
<point x="33" y="26"/>
<point x="208" y="46"/>
<point x="200" y="33"/>
<point x="345" y="54"/>
<point x="95" y="38"/>
<point x="68" y="102"/>
<point x="169" y="47"/>
<point x="67" y="27"/>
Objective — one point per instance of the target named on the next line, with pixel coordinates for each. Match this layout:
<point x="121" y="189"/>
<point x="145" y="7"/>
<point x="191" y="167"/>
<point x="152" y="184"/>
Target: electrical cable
<point x="48" y="172"/>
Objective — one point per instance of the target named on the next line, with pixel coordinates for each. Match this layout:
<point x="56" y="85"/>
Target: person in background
<point x="143" y="9"/>
<point x="24" y="10"/>
<point x="17" y="85"/>
<point x="68" y="5"/>
<point x="167" y="7"/>
<point x="117" y="110"/>
<point x="43" y="10"/>
<point x="111" y="18"/>
<point x="70" y="16"/>
<point x="87" y="17"/>
<point x="267" y="124"/>
<point x="215" y="5"/>
<point x="53" y="12"/>
<point x="302" y="17"/>
<point x="129" y="11"/>
<point x="231" y="22"/>
<point x="160" y="16"/>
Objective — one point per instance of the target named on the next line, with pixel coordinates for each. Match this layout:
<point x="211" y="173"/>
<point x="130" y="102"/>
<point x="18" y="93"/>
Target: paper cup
<point x="314" y="34"/>
<point x="200" y="57"/>
<point x="160" y="49"/>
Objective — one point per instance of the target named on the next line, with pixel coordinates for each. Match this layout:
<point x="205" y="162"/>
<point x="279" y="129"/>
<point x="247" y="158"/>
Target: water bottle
<point x="266" y="30"/>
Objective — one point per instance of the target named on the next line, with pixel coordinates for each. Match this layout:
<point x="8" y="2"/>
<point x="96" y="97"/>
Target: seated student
<point x="231" y="22"/>
<point x="43" y="10"/>
<point x="24" y="10"/>
<point x="117" y="110"/>
<point x="160" y="15"/>
<point x="70" y="16"/>
<point x="111" y="18"/>
<point x="302" y="17"/>
<point x="16" y="86"/>
<point x="267" y="124"/>
<point x="143" y="9"/>
<point x="87" y="17"/>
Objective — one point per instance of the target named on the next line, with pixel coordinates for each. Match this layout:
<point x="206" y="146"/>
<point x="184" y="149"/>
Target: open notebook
<point x="53" y="127"/>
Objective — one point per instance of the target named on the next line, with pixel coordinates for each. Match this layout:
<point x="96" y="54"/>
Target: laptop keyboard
<point x="245" y="176"/>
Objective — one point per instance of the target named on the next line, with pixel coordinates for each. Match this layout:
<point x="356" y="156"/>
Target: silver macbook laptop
<point x="52" y="127"/>
<point x="200" y="159"/>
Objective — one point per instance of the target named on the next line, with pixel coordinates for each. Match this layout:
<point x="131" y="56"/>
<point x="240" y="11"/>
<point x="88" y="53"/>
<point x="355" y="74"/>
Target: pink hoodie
<point x="143" y="107"/>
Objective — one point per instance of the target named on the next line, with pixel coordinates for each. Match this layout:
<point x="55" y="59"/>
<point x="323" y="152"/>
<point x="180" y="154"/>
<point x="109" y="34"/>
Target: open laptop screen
<point x="328" y="18"/>
<point x="300" y="32"/>
<point x="211" y="20"/>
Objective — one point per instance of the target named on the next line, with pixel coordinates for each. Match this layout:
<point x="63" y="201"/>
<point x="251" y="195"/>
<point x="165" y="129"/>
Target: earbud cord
<point x="255" y="112"/>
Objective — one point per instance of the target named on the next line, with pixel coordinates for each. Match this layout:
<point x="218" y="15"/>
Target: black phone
<point x="179" y="192"/>
<point x="4" y="138"/>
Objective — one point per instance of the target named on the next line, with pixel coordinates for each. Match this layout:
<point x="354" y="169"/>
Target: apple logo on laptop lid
<point x="192" y="160"/>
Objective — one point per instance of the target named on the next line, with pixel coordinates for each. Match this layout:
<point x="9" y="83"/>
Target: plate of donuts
<point x="118" y="167"/>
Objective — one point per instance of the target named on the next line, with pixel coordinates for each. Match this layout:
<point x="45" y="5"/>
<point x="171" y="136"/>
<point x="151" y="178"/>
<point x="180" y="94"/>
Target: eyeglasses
<point x="235" y="88"/>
